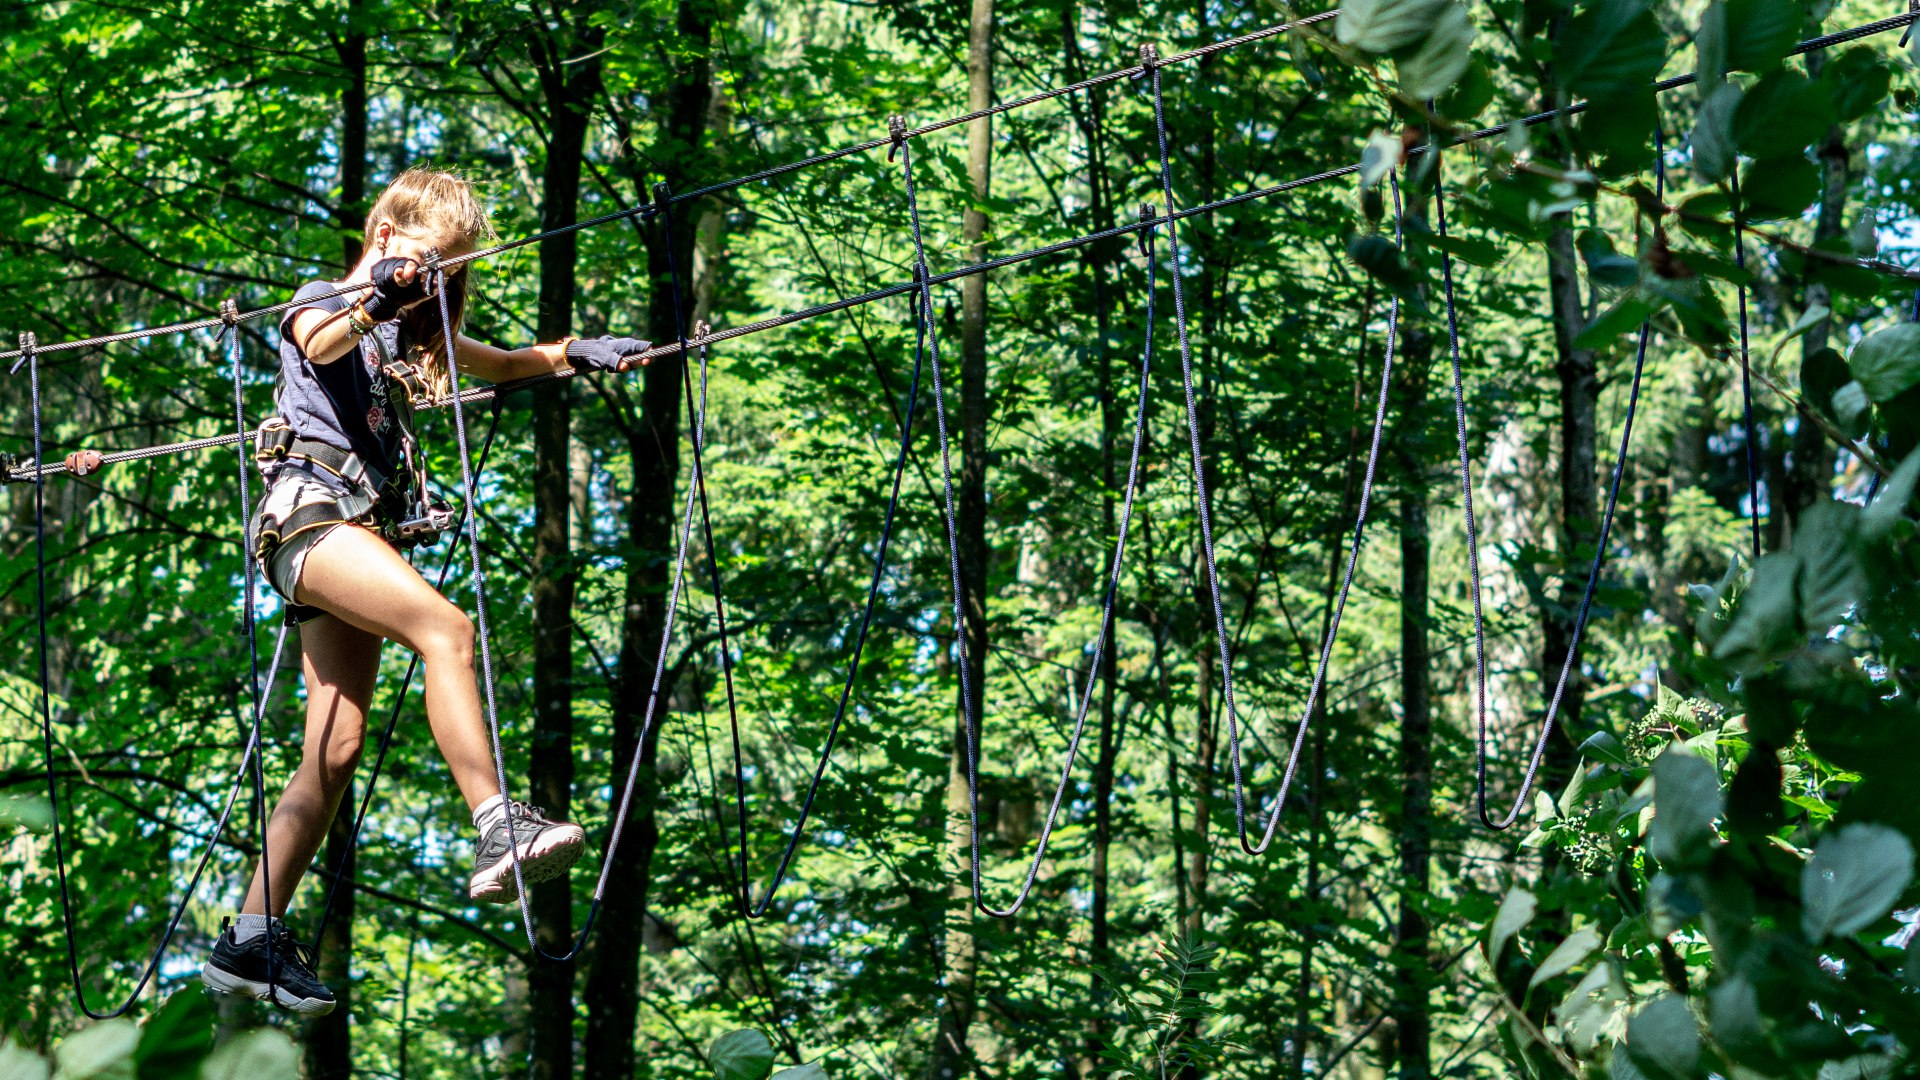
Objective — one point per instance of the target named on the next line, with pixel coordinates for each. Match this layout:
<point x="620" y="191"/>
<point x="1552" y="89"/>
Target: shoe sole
<point x="226" y="982"/>
<point x="545" y="857"/>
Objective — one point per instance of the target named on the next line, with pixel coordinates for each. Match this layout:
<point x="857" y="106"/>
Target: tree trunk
<point x="570" y="92"/>
<point x="1810" y="469"/>
<point x="613" y="982"/>
<point x="950" y="1057"/>
<point x="1579" y="494"/>
<point x="328" y="1039"/>
<point x="1411" y="1007"/>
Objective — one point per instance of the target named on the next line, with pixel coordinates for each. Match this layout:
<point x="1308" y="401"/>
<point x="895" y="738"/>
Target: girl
<point x="341" y="491"/>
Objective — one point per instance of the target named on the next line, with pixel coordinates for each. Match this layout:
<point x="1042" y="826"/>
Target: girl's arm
<point x="596" y="354"/>
<point x="325" y="336"/>
<point x="496" y="365"/>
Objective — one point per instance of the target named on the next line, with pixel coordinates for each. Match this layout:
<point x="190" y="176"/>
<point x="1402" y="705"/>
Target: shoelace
<point x="286" y="945"/>
<point x="527" y="813"/>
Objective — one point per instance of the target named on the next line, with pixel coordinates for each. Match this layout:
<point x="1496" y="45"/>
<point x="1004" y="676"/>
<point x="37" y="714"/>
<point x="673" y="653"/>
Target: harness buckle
<point x="274" y="439"/>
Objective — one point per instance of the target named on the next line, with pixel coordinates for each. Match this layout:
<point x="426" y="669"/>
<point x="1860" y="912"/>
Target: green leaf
<point x="1603" y="746"/>
<point x="1856" y="81"/>
<point x="1890" y="502"/>
<point x="1822" y="373"/>
<point x="1611" y="48"/>
<point x="1624" y="317"/>
<point x="1710" y="44"/>
<point x="1686" y="800"/>
<point x="1380" y="26"/>
<point x="812" y="1070"/>
<point x="1516" y="910"/>
<point x="1380" y="156"/>
<point x="20" y="1063"/>
<point x="741" y="1055"/>
<point x="30" y="812"/>
<point x="101" y="1052"/>
<point x="1831" y="580"/>
<point x="1605" y="266"/>
<point x="1766" y="622"/>
<point x="1733" y="1012"/>
<point x="1780" y="115"/>
<point x="1472" y="250"/>
<point x="1565" y="956"/>
<point x="1760" y="33"/>
<point x="1378" y="256"/>
<point x="1713" y="145"/>
<point x="1852" y="410"/>
<point x="253" y="1055"/>
<point x="178" y="1036"/>
<point x="1587" y="1016"/>
<point x="1887" y="363"/>
<point x="1779" y="187"/>
<point x="1855" y="877"/>
<point x="1664" y="1041"/>
<point x="1442" y="58"/>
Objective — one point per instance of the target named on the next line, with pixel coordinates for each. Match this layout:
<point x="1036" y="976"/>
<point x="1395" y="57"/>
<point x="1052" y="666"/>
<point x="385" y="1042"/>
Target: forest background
<point x="1715" y="871"/>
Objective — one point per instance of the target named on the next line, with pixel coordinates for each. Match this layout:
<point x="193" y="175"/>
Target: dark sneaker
<point x="547" y="850"/>
<point x="284" y="975"/>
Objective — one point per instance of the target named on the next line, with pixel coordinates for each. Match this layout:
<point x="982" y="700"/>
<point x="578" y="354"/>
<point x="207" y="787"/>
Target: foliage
<point x="1709" y="878"/>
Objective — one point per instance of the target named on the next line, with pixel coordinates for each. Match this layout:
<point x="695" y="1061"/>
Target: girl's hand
<point x="396" y="283"/>
<point x="606" y="353"/>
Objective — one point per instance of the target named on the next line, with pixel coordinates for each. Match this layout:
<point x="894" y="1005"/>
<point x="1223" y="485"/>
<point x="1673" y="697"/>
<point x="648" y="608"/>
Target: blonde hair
<point x="439" y="208"/>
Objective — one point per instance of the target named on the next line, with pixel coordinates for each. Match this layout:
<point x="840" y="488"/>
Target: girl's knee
<point x="339" y="756"/>
<point x="450" y="637"/>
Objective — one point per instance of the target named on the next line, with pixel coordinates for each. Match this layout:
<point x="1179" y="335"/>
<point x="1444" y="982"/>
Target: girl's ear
<point x="382" y="236"/>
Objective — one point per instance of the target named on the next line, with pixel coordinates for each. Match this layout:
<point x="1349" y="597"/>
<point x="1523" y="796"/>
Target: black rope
<point x="1473" y="541"/>
<point x="28" y="472"/>
<point x="1752" y="440"/>
<point x="749" y="907"/>
<point x="1339" y="604"/>
<point x="478" y="578"/>
<point x="1813" y="44"/>
<point x="231" y="333"/>
<point x="30" y="355"/>
<point x="393" y="715"/>
<point x="972" y="703"/>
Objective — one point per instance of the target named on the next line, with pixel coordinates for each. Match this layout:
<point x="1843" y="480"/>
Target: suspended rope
<point x="743" y="885"/>
<point x="1339" y="603"/>
<point x="230" y="333"/>
<point x="339" y="871"/>
<point x="1585" y="610"/>
<point x="249" y="752"/>
<point x="1814" y="44"/>
<point x="972" y="700"/>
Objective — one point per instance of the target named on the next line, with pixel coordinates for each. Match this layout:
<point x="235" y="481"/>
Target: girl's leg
<point x="340" y="662"/>
<point x="355" y="576"/>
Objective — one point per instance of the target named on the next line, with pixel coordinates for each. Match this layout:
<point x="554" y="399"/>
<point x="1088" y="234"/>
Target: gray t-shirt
<point x="345" y="404"/>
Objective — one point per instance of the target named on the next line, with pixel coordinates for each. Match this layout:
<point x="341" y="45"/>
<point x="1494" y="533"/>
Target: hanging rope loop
<point x="29" y="343"/>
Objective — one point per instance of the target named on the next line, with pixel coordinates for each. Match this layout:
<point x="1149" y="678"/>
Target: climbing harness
<point x="1473" y="542"/>
<point x="972" y="699"/>
<point x="1339" y="602"/>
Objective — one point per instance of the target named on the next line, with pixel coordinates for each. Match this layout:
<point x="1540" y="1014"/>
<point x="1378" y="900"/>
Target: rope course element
<point x="1752" y="437"/>
<point x="248" y="757"/>
<point x="1813" y="44"/>
<point x="972" y="703"/>
<point x="14" y="472"/>
<point x="1585" y="610"/>
<point x="1339" y="602"/>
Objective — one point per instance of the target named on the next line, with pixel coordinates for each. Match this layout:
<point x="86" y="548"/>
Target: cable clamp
<point x="1149" y="211"/>
<point x="896" y="134"/>
<point x="84" y="463"/>
<point x="29" y="342"/>
<point x="701" y="328"/>
<point x="229" y="313"/>
<point x="662" y="197"/>
<point x="1150" y="59"/>
<point x="8" y="463"/>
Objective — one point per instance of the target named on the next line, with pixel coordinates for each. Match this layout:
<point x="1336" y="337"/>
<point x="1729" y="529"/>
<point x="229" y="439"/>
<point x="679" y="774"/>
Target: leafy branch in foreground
<point x="1167" y="1012"/>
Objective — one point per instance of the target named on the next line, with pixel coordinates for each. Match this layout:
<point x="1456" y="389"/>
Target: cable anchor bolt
<point x="29" y="342"/>
<point x="896" y="134"/>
